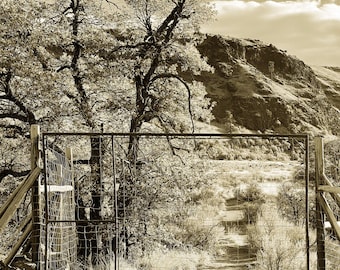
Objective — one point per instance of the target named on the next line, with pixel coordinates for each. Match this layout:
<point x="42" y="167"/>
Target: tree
<point x="45" y="61"/>
<point x="73" y="52"/>
<point x="150" y="71"/>
<point x="162" y="49"/>
<point x="291" y="203"/>
<point x="159" y="52"/>
<point x="124" y="68"/>
<point x="19" y="72"/>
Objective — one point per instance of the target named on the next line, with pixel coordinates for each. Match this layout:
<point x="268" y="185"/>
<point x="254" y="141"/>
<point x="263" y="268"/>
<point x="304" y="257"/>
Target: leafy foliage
<point x="79" y="65"/>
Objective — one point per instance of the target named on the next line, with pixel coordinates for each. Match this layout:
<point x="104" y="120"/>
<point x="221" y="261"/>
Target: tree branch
<point x="174" y="76"/>
<point x="7" y="172"/>
<point x="16" y="116"/>
<point x="13" y="129"/>
<point x="30" y="117"/>
<point x="63" y="67"/>
<point x="140" y="44"/>
<point x="40" y="58"/>
<point x="112" y="3"/>
<point x="172" y="17"/>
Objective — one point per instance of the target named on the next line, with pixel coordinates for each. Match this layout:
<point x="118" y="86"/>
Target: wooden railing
<point x="28" y="227"/>
<point x="324" y="185"/>
<point x="9" y="208"/>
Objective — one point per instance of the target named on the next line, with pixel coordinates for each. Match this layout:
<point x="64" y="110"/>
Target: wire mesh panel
<point x="58" y="235"/>
<point x="179" y="201"/>
<point x="80" y="217"/>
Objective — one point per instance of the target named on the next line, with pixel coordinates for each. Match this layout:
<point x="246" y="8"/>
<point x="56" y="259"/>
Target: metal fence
<point x="162" y="201"/>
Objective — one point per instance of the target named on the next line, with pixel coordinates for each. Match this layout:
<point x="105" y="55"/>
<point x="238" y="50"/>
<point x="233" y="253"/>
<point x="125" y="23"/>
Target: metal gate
<point x="118" y="184"/>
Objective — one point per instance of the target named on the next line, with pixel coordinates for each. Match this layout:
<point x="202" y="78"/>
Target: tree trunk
<point x="95" y="213"/>
<point x="88" y="238"/>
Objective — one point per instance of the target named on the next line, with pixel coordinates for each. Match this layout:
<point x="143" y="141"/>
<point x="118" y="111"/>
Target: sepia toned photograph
<point x="169" y="135"/>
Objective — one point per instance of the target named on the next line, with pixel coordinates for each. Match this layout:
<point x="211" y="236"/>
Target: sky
<point x="308" y="29"/>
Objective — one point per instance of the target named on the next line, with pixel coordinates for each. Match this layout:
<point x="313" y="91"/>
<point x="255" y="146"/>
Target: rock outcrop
<point x="262" y="88"/>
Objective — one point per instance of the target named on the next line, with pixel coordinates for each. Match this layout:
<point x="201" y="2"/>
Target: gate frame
<point x="304" y="137"/>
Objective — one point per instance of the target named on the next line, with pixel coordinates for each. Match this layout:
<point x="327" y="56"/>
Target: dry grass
<point x="174" y="260"/>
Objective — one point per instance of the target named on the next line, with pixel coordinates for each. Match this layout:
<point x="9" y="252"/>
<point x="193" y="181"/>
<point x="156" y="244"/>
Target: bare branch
<point x="30" y="117"/>
<point x="174" y="76"/>
<point x="16" y="116"/>
<point x="7" y="172"/>
<point x="63" y="67"/>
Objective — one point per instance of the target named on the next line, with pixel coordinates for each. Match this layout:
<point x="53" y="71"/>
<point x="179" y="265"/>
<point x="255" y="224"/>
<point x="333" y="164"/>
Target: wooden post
<point x="320" y="218"/>
<point x="35" y="162"/>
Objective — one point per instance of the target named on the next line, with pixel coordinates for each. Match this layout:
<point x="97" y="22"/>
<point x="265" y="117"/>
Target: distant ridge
<point x="262" y="88"/>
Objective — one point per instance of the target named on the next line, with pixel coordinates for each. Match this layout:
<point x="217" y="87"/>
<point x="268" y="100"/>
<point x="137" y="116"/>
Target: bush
<point x="253" y="198"/>
<point x="252" y="211"/>
<point x="252" y="193"/>
<point x="280" y="244"/>
<point x="200" y="230"/>
<point x="291" y="203"/>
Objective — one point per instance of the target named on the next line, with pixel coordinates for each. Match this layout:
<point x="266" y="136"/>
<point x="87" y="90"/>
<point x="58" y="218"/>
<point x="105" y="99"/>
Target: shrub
<point x="200" y="230"/>
<point x="291" y="203"/>
<point x="252" y="211"/>
<point x="280" y="244"/>
<point x="253" y="198"/>
<point x="252" y="193"/>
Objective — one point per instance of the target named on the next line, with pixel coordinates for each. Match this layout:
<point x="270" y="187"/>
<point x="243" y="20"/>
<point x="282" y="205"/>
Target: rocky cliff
<point x="262" y="88"/>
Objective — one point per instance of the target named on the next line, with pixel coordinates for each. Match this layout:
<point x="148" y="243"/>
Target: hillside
<point x="262" y="88"/>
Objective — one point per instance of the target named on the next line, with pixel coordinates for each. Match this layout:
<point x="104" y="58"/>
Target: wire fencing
<point x="161" y="201"/>
<point x="58" y="239"/>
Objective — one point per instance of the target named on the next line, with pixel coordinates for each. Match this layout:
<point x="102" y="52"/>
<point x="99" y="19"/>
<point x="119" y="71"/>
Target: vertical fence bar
<point x="72" y="237"/>
<point x="35" y="162"/>
<point x="46" y="216"/>
<point x="307" y="200"/>
<point x="43" y="250"/>
<point x="320" y="218"/>
<point x="115" y="187"/>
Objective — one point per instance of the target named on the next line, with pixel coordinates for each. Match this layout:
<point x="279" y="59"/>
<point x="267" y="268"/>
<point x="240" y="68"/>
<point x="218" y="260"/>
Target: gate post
<point x="320" y="218"/>
<point x="35" y="162"/>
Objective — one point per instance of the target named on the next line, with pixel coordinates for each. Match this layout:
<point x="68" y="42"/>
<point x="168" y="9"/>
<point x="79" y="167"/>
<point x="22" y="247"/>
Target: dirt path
<point x="236" y="252"/>
<point x="268" y="175"/>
